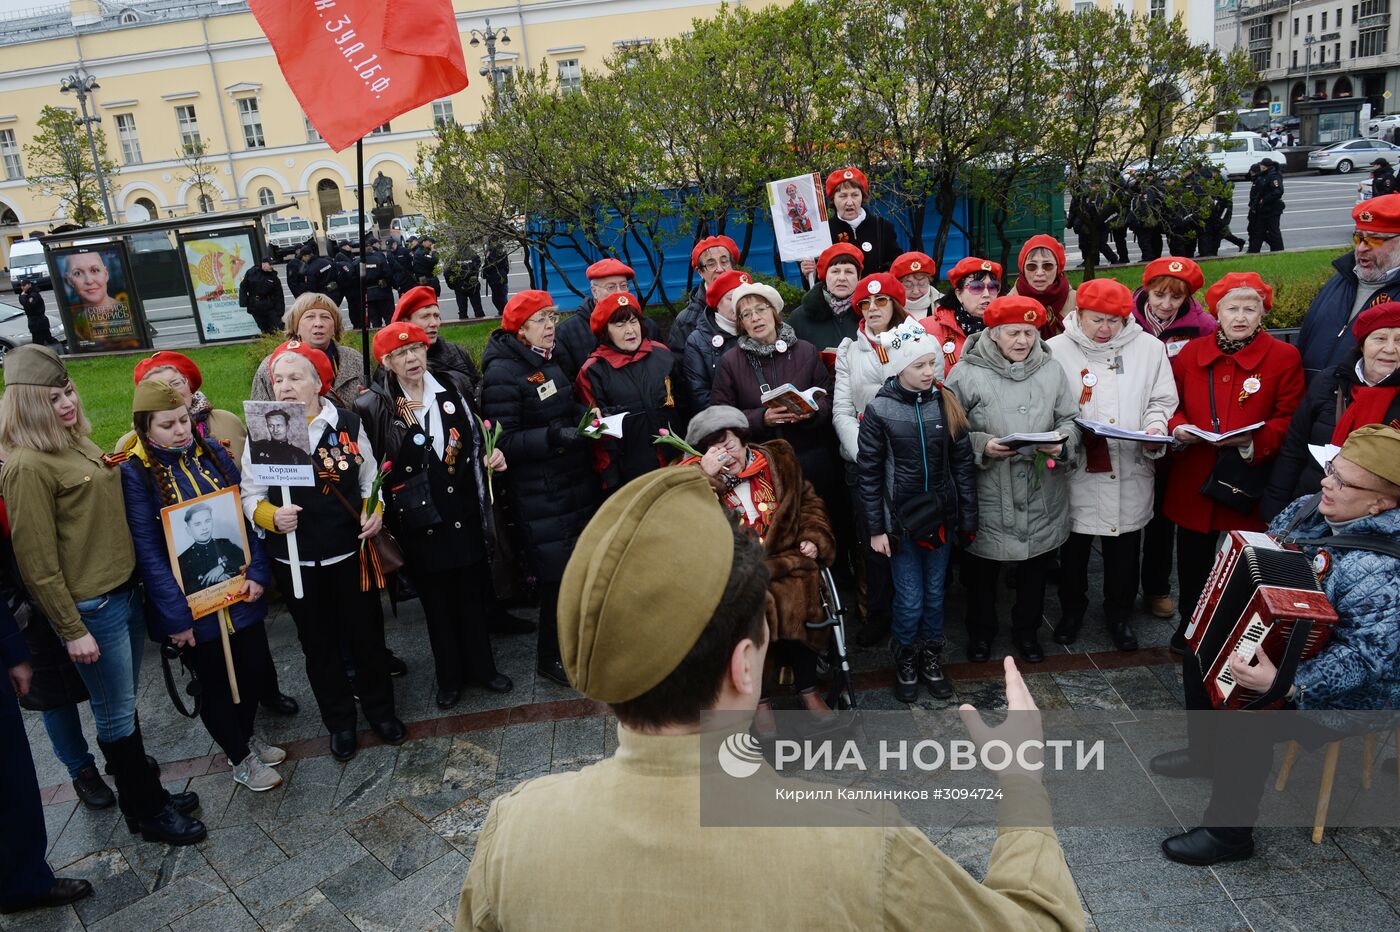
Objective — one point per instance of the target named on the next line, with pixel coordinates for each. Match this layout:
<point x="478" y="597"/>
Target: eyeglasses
<point x="545" y="317"/>
<point x="882" y="302"/>
<point x="715" y="265"/>
<point x="403" y="352"/>
<point x="1372" y="240"/>
<point x="1331" y="473"/>
<point x="990" y="287"/>
<point x="177" y="381"/>
<point x="753" y="313"/>
<point x="607" y="288"/>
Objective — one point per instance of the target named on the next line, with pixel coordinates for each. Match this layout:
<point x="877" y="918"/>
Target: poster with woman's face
<point x="96" y="298"/>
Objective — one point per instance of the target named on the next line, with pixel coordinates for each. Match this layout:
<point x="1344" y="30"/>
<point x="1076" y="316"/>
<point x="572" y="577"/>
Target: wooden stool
<point x="1329" y="773"/>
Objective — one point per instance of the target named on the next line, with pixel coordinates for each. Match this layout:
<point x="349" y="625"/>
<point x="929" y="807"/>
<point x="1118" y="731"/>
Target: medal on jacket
<point x="1321" y="564"/>
<point x="1089" y="380"/>
<point x="1251" y="386"/>
<point x="453" y="445"/>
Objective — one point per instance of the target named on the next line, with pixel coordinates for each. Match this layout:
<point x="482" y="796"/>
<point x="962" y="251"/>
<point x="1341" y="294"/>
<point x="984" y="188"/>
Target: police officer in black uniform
<point x="463" y="276"/>
<point x="261" y="293"/>
<point x="322" y="276"/>
<point x="379" y="284"/>
<point x="497" y="275"/>
<point x="1266" y="207"/>
<point x="347" y="272"/>
<point x="425" y="263"/>
<point x="402" y="261"/>
<point x="33" y="304"/>
<point x="296" y="274"/>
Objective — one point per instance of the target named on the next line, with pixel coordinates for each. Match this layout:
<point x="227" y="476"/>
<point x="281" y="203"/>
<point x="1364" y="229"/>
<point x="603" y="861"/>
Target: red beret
<point x="973" y="264"/>
<point x="415" y="299"/>
<point x="318" y="359"/>
<point x="177" y="361"/>
<point x="1104" y="296"/>
<point x="1042" y="241"/>
<point x="1378" y="215"/>
<point x="522" y="306"/>
<point x="604" y="310"/>
<point x="1174" y="267"/>
<point x="838" y="249"/>
<point x="606" y="267"/>
<point x="1014" y="309"/>
<point x="911" y="262"/>
<point x="724" y="284"/>
<point x="1375" y="318"/>
<point x="880" y="283"/>
<point x="841" y="175"/>
<point x="399" y="333"/>
<point x="1232" y="280"/>
<point x="710" y="242"/>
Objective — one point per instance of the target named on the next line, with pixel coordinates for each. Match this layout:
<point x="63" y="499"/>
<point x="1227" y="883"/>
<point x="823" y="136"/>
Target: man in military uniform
<point x="620" y="845"/>
<point x="276" y="450"/>
<point x="261" y="293"/>
<point x="347" y="273"/>
<point x="323" y="276"/>
<point x="1266" y="207"/>
<point x="209" y="560"/>
<point x="463" y="276"/>
<point x="379" y="284"/>
<point x="425" y="263"/>
<point x="33" y="304"/>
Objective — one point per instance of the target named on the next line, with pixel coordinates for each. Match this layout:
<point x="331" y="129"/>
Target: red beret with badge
<point x="415" y="299"/>
<point x="835" y="251"/>
<point x="1015" y="309"/>
<point x="881" y="283"/>
<point x="400" y="333"/>
<point x="606" y="268"/>
<point x="604" y="310"/>
<point x="911" y="262"/>
<point x="1376" y="318"/>
<point x="710" y="242"/>
<point x="1232" y="280"/>
<point x="843" y="175"/>
<point x="319" y="360"/>
<point x="1104" y="296"/>
<point x="177" y="361"/>
<point x="724" y="284"/>
<point x="522" y="306"/>
<point x="973" y="264"/>
<point x="1042" y="241"/>
<point x="1174" y="267"/>
<point x="1378" y="215"/>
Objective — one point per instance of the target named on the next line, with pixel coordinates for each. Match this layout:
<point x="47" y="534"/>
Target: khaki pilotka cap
<point x="643" y="582"/>
<point x="1375" y="449"/>
<point x="35" y="365"/>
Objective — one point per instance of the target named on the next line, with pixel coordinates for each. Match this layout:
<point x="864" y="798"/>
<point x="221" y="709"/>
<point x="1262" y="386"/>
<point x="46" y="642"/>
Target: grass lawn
<point x="105" y="382"/>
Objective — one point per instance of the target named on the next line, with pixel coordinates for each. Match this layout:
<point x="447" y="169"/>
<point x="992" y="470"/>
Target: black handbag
<point x="413" y="505"/>
<point x="1232" y="482"/>
<point x="922" y="515"/>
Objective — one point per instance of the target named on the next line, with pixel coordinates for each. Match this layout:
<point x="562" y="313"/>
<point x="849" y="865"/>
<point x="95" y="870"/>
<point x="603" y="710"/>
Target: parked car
<point x="284" y="235"/>
<point x="27" y="264"/>
<point x="401" y="228"/>
<point x="344" y="227"/>
<point x="1375" y="129"/>
<point x="1342" y="157"/>
<point x="14" y="327"/>
<point x="1235" y="152"/>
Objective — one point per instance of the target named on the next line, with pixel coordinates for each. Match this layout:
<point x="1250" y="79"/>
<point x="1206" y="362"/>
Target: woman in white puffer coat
<point x="1124" y="379"/>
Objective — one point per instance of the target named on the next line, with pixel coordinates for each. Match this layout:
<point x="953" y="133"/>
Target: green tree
<point x="60" y="165"/>
<point x="199" y="171"/>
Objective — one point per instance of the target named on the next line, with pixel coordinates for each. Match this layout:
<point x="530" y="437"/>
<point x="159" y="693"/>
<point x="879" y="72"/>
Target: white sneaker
<point x="255" y="775"/>
<point x="272" y="756"/>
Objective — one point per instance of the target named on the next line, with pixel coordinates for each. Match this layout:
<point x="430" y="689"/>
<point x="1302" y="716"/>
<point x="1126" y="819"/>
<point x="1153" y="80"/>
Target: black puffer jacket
<point x="640" y="385"/>
<point x="1296" y="472"/>
<point x="687" y="320"/>
<point x="551" y="486"/>
<point x="905" y="447"/>
<point x="574" y="340"/>
<point x="702" y="356"/>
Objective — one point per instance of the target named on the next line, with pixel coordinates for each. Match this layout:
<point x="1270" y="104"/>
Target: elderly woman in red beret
<point x="438" y="501"/>
<point x="1363" y="390"/>
<point x="916" y="271"/>
<point x="849" y="192"/>
<point x="575" y="339"/>
<point x="957" y="315"/>
<point x="1233" y="379"/>
<point x="630" y="375"/>
<point x="825" y="317"/>
<point x="1042" y="276"/>
<point x="419" y="306"/>
<point x="1123" y="378"/>
<point x="339" y="606"/>
<point x="551" y="488"/>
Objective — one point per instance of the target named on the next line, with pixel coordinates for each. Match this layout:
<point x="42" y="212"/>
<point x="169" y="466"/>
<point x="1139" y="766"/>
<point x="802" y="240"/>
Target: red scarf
<point x="1053" y="298"/>
<point x="1369" y="403"/>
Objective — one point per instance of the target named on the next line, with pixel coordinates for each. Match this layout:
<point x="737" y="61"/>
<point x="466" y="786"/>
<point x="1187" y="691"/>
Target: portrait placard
<point x="279" y="442"/>
<point x="208" y="545"/>
<point x="800" y="222"/>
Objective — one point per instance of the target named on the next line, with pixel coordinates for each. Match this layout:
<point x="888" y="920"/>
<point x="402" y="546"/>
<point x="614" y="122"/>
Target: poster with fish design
<point x="215" y="263"/>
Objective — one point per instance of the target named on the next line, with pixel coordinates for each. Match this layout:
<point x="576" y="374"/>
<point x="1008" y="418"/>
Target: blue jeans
<point x="66" y="735"/>
<point x="118" y="623"/>
<point x="919" y="576"/>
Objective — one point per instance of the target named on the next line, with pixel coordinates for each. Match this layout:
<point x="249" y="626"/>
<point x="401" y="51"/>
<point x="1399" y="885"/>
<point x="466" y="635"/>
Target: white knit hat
<point x="904" y="344"/>
<point x="766" y="292"/>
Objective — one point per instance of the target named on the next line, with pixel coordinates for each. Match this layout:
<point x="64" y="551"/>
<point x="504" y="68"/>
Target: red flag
<point x="356" y="64"/>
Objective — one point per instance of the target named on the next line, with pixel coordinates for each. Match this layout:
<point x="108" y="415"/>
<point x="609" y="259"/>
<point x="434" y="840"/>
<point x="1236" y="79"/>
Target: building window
<point x="189" y="127"/>
<point x="1324" y="21"/>
<point x="266" y="198"/>
<point x="380" y="130"/>
<point x="1157" y="9"/>
<point x="1083" y="6"/>
<point x="1295" y="25"/>
<point x="1278" y="59"/>
<point x="1339" y="17"/>
<point x="1259" y="59"/>
<point x="1354" y="14"/>
<point x="1295" y="58"/>
<point x="1337" y="52"/>
<point x="251" y="118"/>
<point x="206" y="204"/>
<point x="312" y="134"/>
<point x="1320" y="88"/>
<point x="1280" y="29"/>
<point x="570" y="75"/>
<point x="442" y="113"/>
<point x="1353" y="48"/>
<point x="9" y="155"/>
<point x="126" y="134"/>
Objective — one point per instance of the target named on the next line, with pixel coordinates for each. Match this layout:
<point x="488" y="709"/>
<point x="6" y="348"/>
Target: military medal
<point x="454" y="443"/>
<point x="1321" y="564"/>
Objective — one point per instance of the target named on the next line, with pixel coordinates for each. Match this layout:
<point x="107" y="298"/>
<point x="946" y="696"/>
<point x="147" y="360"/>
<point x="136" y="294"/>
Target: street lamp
<point x="489" y="36"/>
<point x="1308" y="41"/>
<point x="83" y="84"/>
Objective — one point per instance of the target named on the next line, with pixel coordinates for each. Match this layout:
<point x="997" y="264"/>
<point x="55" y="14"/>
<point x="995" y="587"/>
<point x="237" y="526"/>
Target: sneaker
<point x="906" y="674"/>
<point x="931" y="670"/>
<point x="272" y="756"/>
<point x="255" y="775"/>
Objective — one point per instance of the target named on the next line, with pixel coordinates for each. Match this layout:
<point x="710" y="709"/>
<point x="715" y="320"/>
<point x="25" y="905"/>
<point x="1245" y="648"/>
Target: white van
<point x="1235" y="152"/>
<point x="27" y="264"/>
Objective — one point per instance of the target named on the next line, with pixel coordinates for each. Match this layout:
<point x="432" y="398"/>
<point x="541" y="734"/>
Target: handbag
<point x="413" y="504"/>
<point x="1232" y="482"/>
<point x="922" y="515"/>
<point x="387" y="552"/>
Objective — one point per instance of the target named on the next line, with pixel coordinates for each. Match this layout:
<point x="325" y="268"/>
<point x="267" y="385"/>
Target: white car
<point x="285" y="235"/>
<point x="1343" y="157"/>
<point x="1234" y="153"/>
<point x="1376" y="128"/>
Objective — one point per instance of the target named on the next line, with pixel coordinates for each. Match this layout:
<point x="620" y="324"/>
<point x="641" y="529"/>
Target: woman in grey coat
<point x="1009" y="384"/>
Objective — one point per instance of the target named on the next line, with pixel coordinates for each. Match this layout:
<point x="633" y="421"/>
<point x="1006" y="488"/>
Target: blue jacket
<point x="1359" y="668"/>
<point x="193" y="476"/>
<point x="1325" y="339"/>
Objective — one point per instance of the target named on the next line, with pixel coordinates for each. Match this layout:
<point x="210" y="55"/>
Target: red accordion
<point x="1258" y="593"/>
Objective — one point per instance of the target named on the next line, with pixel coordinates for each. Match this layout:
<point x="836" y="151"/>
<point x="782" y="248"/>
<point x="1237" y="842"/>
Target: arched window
<point x="206" y="204"/>
<point x="1342" y="88"/>
<point x="266" y="197"/>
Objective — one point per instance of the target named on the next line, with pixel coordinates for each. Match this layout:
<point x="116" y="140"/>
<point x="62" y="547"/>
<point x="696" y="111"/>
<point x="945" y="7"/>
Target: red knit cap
<point x="842" y="175"/>
<point x="177" y="361"/>
<point x="1104" y="296"/>
<point x="415" y="299"/>
<point x="710" y="242"/>
<point x="1014" y="309"/>
<point x="1042" y="241"/>
<point x="971" y="264"/>
<point x="724" y="284"/>
<point x="1232" y="280"/>
<point x="604" y="310"/>
<point x="880" y="283"/>
<point x="835" y="250"/>
<point x="1376" y="318"/>
<point x="1175" y="267"/>
<point x="912" y="262"/>
<point x="522" y="306"/>
<point x="606" y="267"/>
<point x="399" y="333"/>
<point x="318" y="359"/>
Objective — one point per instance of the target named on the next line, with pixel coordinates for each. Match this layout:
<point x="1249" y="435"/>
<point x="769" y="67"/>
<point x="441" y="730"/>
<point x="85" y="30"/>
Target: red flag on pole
<point x="356" y="64"/>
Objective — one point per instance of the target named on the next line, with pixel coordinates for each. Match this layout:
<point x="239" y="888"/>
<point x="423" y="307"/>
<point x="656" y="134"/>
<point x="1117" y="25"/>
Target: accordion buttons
<point x="1113" y="475"/>
<point x="1113" y="420"/>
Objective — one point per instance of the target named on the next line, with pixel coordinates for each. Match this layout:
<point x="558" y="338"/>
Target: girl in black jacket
<point x="918" y="486"/>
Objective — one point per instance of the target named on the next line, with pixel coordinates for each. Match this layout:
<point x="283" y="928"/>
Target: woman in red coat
<point x="1255" y="379"/>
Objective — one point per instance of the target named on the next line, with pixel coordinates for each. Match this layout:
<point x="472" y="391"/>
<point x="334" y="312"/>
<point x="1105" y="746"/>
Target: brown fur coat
<point x="796" y="579"/>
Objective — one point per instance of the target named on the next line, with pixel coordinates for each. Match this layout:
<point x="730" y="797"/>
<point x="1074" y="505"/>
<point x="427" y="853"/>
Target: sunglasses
<point x="1372" y="240"/>
<point x="881" y="301"/>
<point x="990" y="287"/>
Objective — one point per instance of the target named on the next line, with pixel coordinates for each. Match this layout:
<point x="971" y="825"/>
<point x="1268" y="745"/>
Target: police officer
<point x="497" y="275"/>
<point x="402" y="259"/>
<point x="33" y="304"/>
<point x="1266" y="207"/>
<point x="425" y="264"/>
<point x="379" y="284"/>
<point x="296" y="275"/>
<point x="261" y="293"/>
<point x="661" y="540"/>
<point x="463" y="276"/>
<point x="347" y="273"/>
<point x="323" y="277"/>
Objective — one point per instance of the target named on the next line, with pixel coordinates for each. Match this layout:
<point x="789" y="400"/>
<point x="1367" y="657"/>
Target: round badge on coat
<point x="1252" y="385"/>
<point x="1321" y="564"/>
<point x="1090" y="380"/>
<point x="866" y="246"/>
<point x="419" y="439"/>
<point x="780" y="346"/>
<point x="717" y="341"/>
<point x="949" y="346"/>
<point x="342" y="465"/>
<point x="449" y="407"/>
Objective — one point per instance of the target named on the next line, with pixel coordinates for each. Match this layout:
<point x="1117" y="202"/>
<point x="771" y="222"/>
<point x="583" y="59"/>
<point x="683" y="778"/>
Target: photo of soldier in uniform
<point x="208" y="559"/>
<point x="209" y="539"/>
<point x="279" y="444"/>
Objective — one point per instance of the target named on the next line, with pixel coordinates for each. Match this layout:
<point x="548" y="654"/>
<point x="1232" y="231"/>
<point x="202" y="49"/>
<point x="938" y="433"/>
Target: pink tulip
<point x="485" y="425"/>
<point x="1049" y="464"/>
<point x="665" y="433"/>
<point x="387" y="465"/>
<point x="597" y="423"/>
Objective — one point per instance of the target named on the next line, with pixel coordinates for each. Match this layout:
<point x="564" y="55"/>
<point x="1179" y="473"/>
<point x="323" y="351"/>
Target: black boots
<point x="931" y="670"/>
<point x="92" y="789"/>
<point x="906" y="671"/>
<point x="149" y="810"/>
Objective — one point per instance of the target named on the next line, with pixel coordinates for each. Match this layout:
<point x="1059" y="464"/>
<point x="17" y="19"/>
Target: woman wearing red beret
<point x="958" y="314"/>
<point x="1042" y="276"/>
<point x="916" y="272"/>
<point x="849" y="192"/>
<point x="1363" y="390"/>
<point x="1238" y="376"/>
<point x="179" y="372"/>
<point x="824" y="317"/>
<point x="631" y="375"/>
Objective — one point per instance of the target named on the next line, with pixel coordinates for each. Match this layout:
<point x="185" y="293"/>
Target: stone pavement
<point x="384" y="841"/>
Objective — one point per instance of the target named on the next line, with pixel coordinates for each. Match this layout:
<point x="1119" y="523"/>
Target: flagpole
<point x="360" y="266"/>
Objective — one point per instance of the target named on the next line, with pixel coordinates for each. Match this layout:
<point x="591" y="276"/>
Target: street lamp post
<point x="1308" y="42"/>
<point x="489" y="36"/>
<point x="83" y="84"/>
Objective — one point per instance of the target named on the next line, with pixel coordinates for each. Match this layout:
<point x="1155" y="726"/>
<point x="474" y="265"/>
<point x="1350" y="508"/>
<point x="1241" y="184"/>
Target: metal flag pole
<point x="360" y="266"/>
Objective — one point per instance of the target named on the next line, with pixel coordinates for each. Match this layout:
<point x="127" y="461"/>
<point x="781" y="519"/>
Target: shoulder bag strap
<point x="1210" y="380"/>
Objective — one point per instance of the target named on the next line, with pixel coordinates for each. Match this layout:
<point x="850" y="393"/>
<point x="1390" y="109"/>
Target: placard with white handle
<point x="293" y="557"/>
